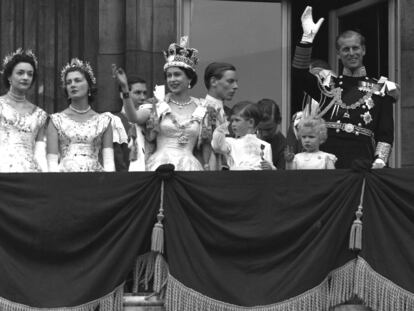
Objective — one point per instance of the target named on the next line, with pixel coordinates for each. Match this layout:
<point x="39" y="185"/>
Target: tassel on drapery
<point x="157" y="237"/>
<point x="152" y="266"/>
<point x="355" y="235"/>
<point x="110" y="302"/>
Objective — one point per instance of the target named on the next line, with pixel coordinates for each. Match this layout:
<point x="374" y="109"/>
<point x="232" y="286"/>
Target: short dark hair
<point x="247" y="110"/>
<point x="348" y="34"/>
<point x="18" y="58"/>
<point x="93" y="90"/>
<point x="191" y="74"/>
<point x="216" y="70"/>
<point x="135" y="79"/>
<point x="270" y="110"/>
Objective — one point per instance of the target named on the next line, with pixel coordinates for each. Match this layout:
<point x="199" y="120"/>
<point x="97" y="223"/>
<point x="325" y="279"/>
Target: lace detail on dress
<point x="18" y="134"/>
<point x="80" y="142"/>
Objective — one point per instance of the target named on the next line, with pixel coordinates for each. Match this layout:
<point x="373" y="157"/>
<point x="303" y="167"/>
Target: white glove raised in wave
<point x="310" y="29"/>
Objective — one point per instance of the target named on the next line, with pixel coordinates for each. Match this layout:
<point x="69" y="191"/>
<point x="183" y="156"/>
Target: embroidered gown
<point x="176" y="139"/>
<point x="80" y="142"/>
<point x="18" y="134"/>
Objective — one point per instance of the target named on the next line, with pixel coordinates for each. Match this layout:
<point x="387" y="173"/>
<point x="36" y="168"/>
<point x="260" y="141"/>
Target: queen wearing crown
<point x="177" y="117"/>
<point x="77" y="135"/>
<point x="22" y="124"/>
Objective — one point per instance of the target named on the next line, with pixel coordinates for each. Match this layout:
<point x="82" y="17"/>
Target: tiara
<point x="8" y="58"/>
<point x="78" y="64"/>
<point x="180" y="55"/>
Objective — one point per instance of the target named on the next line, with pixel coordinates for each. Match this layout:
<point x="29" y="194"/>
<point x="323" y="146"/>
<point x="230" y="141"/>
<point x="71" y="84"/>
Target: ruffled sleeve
<point x="119" y="134"/>
<point x="200" y="111"/>
<point x="56" y="119"/>
<point x="330" y="161"/>
<point x="104" y="120"/>
<point x="42" y="117"/>
<point x="162" y="108"/>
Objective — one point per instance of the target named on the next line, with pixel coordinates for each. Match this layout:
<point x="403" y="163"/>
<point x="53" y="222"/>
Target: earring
<point x="189" y="86"/>
<point x="89" y="93"/>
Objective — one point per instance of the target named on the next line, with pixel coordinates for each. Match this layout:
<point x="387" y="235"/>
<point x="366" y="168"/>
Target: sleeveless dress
<point x="80" y="142"/>
<point x="18" y="134"/>
<point x="177" y="139"/>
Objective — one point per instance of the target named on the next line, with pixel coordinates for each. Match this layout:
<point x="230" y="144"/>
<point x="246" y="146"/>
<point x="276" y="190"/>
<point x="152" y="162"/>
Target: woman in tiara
<point x="22" y="124"/>
<point x="78" y="134"/>
<point x="177" y="118"/>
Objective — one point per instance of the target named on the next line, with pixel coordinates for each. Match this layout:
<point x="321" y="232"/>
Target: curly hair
<point x="316" y="124"/>
<point x="9" y="66"/>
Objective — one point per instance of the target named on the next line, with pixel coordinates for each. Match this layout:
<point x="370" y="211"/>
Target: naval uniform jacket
<point x="358" y="122"/>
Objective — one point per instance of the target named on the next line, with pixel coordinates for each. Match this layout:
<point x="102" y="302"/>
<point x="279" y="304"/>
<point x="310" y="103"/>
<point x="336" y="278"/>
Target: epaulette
<point x="389" y="88"/>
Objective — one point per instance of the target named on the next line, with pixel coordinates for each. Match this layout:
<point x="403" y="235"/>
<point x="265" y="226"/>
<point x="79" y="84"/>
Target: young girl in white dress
<point x="244" y="151"/>
<point x="312" y="132"/>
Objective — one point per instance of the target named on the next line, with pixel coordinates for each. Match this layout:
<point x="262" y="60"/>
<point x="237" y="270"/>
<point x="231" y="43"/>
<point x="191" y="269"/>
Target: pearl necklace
<point x="181" y="105"/>
<point x="16" y="98"/>
<point x="78" y="110"/>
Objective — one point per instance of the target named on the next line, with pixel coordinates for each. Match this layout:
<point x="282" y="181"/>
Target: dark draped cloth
<point x="280" y="240"/>
<point x="68" y="239"/>
<point x="276" y="239"/>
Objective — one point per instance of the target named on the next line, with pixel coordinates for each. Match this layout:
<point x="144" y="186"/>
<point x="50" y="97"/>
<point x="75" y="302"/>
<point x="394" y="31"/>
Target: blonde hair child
<point x="312" y="133"/>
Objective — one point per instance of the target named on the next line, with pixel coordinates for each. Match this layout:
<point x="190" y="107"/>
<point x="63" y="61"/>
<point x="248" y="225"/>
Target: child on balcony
<point x="312" y="132"/>
<point x="245" y="151"/>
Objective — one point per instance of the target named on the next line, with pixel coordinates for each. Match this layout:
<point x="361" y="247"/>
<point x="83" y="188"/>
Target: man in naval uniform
<point x="358" y="110"/>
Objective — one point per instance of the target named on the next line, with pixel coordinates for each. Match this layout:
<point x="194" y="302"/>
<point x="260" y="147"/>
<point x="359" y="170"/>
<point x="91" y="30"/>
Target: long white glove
<point x="108" y="159"/>
<point x="40" y="155"/>
<point x="378" y="163"/>
<point x="310" y="29"/>
<point x="52" y="162"/>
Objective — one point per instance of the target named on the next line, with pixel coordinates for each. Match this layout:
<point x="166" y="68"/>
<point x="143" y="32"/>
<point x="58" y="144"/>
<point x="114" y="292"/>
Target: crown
<point x="179" y="55"/>
<point x="77" y="64"/>
<point x="8" y="58"/>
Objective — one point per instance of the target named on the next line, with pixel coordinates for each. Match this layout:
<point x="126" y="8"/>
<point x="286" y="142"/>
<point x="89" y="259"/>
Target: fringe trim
<point x="354" y="279"/>
<point x="341" y="284"/>
<point x="110" y="302"/>
<point x="151" y="266"/>
<point x="181" y="298"/>
<point x="144" y="271"/>
<point x="378" y="292"/>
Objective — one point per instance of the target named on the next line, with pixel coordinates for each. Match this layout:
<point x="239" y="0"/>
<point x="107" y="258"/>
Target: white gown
<point x="18" y="134"/>
<point x="177" y="139"/>
<point x="80" y="142"/>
